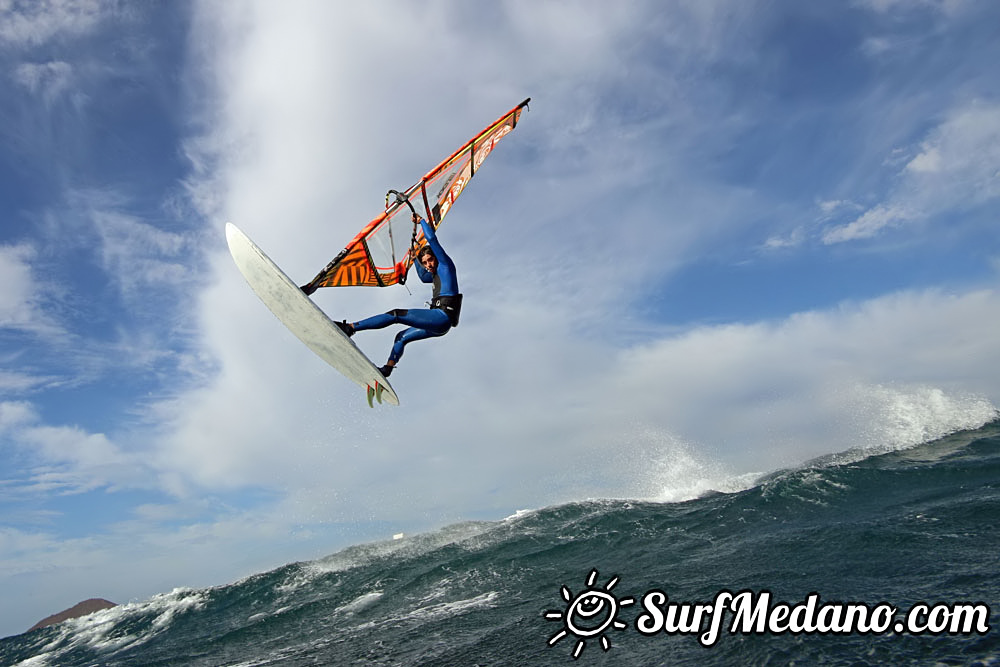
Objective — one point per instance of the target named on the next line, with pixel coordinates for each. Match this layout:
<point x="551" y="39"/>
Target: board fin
<point x="375" y="393"/>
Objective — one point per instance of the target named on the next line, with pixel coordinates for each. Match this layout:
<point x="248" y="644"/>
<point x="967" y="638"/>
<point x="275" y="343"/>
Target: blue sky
<point x="727" y="237"/>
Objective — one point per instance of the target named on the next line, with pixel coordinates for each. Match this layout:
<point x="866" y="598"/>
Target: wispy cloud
<point x="47" y="80"/>
<point x="140" y="256"/>
<point x="21" y="302"/>
<point x="946" y="7"/>
<point x="16" y="308"/>
<point x="65" y="459"/>
<point x="955" y="167"/>
<point x="13" y="383"/>
<point x="34" y="23"/>
<point x="869" y="224"/>
<point x="959" y="163"/>
<point x="792" y="240"/>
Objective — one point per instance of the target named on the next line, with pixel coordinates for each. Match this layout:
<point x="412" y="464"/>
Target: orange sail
<point x="380" y="255"/>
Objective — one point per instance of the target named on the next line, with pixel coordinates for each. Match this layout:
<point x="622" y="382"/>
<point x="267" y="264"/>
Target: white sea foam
<point x="361" y="602"/>
<point x="267" y="614"/>
<point x="411" y="546"/>
<point x="520" y="514"/>
<point x="96" y="631"/>
<point x="667" y="468"/>
<point x="909" y="416"/>
<point x="451" y="608"/>
<point x="873" y="419"/>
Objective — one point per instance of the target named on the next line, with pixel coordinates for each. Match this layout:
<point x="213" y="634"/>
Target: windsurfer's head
<point x="427" y="259"/>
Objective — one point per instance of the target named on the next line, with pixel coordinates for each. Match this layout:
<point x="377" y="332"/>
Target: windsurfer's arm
<point x="422" y="273"/>
<point x="432" y="240"/>
<point x="425" y="275"/>
<point x="446" y="268"/>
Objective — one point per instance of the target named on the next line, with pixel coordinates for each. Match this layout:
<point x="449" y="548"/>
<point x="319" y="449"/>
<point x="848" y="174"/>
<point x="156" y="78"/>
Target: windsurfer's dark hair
<point x="426" y="250"/>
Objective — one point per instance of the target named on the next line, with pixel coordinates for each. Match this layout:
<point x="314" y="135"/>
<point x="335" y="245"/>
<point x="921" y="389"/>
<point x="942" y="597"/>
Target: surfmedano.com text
<point x="753" y="613"/>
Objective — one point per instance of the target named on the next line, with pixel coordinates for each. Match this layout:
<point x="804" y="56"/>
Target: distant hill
<point x="81" y="609"/>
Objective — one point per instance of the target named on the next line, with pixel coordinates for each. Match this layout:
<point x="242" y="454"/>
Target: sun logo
<point x="589" y="614"/>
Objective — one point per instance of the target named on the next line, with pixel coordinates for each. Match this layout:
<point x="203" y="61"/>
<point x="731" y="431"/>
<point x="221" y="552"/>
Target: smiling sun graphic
<point x="589" y="614"/>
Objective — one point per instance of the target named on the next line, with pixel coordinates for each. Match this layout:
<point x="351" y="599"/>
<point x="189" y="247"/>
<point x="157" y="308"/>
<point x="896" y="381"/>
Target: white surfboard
<point x="303" y="317"/>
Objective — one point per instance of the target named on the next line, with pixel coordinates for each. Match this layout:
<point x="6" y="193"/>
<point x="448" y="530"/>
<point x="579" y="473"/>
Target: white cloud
<point x="37" y="310"/>
<point x="138" y="255"/>
<point x="15" y="274"/>
<point x="876" y="46"/>
<point x="869" y="224"/>
<point x="959" y="163"/>
<point x="20" y="298"/>
<point x="927" y="162"/>
<point x="14" y="382"/>
<point x="792" y="240"/>
<point x="946" y="7"/>
<point x="48" y="80"/>
<point x="957" y="168"/>
<point x="829" y="207"/>
<point x="66" y="459"/>
<point x="37" y="22"/>
<point x="774" y="392"/>
<point x="14" y="414"/>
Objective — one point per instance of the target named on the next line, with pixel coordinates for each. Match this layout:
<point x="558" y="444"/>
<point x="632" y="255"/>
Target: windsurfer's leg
<point x="433" y="320"/>
<point x="407" y="336"/>
<point x="422" y="323"/>
<point x="380" y="321"/>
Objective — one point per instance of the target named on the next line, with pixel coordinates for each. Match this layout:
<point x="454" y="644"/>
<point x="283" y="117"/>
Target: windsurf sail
<point x="380" y="255"/>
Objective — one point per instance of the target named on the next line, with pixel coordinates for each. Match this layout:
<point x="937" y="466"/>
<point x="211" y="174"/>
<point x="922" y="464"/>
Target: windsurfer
<point x="433" y="266"/>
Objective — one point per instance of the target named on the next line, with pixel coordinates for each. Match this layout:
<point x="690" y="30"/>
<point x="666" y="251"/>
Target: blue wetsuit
<point x="423" y="322"/>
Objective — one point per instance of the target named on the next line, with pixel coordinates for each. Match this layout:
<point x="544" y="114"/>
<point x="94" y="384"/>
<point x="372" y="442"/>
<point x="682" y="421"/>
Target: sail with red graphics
<point x="382" y="252"/>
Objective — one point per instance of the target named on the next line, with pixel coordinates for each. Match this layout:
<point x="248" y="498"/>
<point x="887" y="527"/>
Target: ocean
<point x="854" y="559"/>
